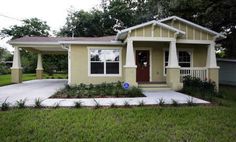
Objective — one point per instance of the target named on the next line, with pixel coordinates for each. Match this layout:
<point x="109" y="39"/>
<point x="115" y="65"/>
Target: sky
<point x="54" y="12"/>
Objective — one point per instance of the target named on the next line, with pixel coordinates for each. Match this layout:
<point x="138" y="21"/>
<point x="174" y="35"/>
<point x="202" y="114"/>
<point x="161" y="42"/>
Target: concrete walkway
<point x="43" y="89"/>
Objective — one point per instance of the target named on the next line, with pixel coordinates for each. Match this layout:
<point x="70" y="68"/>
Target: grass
<point x="198" y="123"/>
<point x="6" y="79"/>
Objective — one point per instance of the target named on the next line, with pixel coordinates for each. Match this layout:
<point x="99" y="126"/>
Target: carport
<point x="39" y="45"/>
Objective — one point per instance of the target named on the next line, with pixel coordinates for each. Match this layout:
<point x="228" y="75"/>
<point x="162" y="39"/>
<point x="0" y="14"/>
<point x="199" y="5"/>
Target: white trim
<point x="92" y="42"/>
<point x="69" y="65"/>
<point x="39" y="62"/>
<point x="193" y="24"/>
<point x="164" y="39"/>
<point x="188" y="41"/>
<point x="33" y="43"/>
<point x="146" y="24"/>
<point x="150" y="59"/>
<point x="105" y="75"/>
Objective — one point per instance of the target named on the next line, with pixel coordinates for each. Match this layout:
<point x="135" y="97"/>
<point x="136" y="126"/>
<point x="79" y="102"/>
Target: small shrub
<point x="134" y="92"/>
<point x="38" y="103"/>
<point x="175" y="103"/>
<point x="57" y="105"/>
<point x="21" y="103"/>
<point x="196" y="87"/>
<point x="99" y="90"/>
<point x="112" y="105"/>
<point x="190" y="101"/>
<point x="126" y="104"/>
<point x="141" y="103"/>
<point x="161" y="102"/>
<point x="5" y="105"/>
<point x="78" y="104"/>
<point x="97" y="105"/>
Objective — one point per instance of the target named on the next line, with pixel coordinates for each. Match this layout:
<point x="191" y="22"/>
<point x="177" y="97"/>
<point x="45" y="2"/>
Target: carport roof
<point x="45" y="44"/>
<point x="60" y="39"/>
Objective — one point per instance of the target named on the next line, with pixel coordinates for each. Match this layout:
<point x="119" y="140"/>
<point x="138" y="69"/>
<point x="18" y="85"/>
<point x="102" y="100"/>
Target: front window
<point x="104" y="61"/>
<point x="184" y="59"/>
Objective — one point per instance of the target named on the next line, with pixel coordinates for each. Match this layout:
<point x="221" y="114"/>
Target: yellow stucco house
<point x="158" y="52"/>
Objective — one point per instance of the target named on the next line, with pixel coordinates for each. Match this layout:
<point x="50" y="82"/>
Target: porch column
<point x="39" y="69"/>
<point x="173" y="68"/>
<point x="213" y="69"/>
<point x="16" y="70"/>
<point x="130" y="66"/>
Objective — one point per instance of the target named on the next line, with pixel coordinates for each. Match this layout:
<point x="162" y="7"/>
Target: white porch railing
<point x="199" y="72"/>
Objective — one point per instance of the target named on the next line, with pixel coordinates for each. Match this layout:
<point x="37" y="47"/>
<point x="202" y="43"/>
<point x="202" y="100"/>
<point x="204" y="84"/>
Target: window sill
<point x="104" y="75"/>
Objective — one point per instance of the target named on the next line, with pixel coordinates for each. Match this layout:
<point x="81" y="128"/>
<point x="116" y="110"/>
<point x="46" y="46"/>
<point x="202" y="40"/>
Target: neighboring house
<point x="159" y="51"/>
<point x="227" y="71"/>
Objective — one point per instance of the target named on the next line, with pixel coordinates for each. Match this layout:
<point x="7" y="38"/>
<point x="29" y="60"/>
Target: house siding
<point x="79" y="61"/>
<point x="79" y="66"/>
<point x="192" y="33"/>
<point x="146" y="31"/>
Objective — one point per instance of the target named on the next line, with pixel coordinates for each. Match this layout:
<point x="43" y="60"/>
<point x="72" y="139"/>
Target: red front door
<point x="143" y="63"/>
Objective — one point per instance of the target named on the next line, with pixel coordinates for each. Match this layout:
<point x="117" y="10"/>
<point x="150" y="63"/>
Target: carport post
<point x="16" y="70"/>
<point x="39" y="69"/>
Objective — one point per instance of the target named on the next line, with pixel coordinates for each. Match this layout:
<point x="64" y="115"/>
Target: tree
<point x="86" y="24"/>
<point x="218" y="15"/>
<point x="30" y="27"/>
<point x="5" y="55"/>
<point x="33" y="27"/>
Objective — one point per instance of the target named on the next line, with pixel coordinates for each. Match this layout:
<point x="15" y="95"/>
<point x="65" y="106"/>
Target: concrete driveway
<point x="30" y="90"/>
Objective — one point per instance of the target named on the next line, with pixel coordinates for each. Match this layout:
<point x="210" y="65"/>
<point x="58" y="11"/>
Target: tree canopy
<point x="218" y="15"/>
<point x="35" y="27"/>
<point x="30" y="27"/>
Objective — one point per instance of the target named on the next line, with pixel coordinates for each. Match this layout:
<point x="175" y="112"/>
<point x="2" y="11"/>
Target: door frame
<point x="150" y="59"/>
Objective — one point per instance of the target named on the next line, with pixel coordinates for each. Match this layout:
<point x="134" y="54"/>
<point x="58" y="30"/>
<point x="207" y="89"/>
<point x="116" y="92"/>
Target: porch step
<point x="154" y="87"/>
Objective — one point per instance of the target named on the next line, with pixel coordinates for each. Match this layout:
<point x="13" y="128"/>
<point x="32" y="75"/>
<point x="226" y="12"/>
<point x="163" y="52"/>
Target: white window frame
<point x="104" y="74"/>
<point x="178" y="50"/>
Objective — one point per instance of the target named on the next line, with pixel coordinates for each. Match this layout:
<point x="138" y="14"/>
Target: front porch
<point x="162" y="65"/>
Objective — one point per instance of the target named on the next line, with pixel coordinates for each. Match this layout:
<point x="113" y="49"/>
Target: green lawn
<point x="6" y="79"/>
<point x="215" y="123"/>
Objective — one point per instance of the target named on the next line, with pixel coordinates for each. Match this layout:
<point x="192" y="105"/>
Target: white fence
<point x="199" y="72"/>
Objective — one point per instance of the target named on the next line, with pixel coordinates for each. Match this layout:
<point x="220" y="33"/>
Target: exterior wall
<point x="199" y="52"/>
<point x="79" y="66"/>
<point x="79" y="61"/>
<point x="157" y="49"/>
<point x="157" y="53"/>
<point x="147" y="32"/>
<point x="227" y="71"/>
<point x="192" y="33"/>
<point x="213" y="74"/>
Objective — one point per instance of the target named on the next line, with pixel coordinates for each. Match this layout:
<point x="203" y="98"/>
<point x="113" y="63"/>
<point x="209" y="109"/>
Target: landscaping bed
<point x="104" y="90"/>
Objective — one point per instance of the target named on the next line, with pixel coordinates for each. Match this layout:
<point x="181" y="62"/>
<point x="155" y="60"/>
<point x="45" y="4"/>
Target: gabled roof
<point x="123" y="33"/>
<point x="192" y="24"/>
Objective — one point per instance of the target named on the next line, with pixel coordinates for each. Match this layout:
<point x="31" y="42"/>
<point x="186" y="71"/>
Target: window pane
<point x="184" y="64"/>
<point x="112" y="68"/>
<point x="166" y="56"/>
<point x="102" y="55"/>
<point x="97" y="68"/>
<point x="111" y="55"/>
<point x="95" y="55"/>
